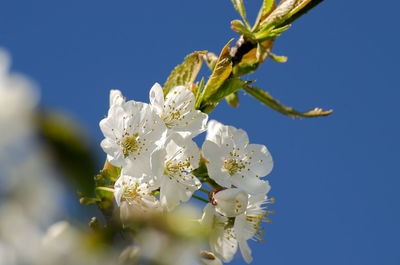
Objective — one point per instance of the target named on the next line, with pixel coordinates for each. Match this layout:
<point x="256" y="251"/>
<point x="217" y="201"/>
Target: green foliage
<point x="69" y="148"/>
<point x="266" y="98"/>
<point x="267" y="7"/>
<point x="238" y="4"/>
<point x="230" y="86"/>
<point x="222" y="71"/>
<point x="185" y="74"/>
<point x="253" y="58"/>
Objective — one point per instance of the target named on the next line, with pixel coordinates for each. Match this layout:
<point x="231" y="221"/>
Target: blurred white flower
<point x="66" y="244"/>
<point x="173" y="164"/>
<point x="177" y="110"/>
<point x="132" y="131"/>
<point x="18" y="98"/>
<point x="233" y="161"/>
<point x="158" y="247"/>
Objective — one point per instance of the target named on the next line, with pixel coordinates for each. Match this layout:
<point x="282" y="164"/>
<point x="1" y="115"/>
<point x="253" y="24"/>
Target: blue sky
<point x="335" y="179"/>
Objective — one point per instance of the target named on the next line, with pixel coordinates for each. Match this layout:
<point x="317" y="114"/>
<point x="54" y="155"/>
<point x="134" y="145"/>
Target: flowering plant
<point x="154" y="165"/>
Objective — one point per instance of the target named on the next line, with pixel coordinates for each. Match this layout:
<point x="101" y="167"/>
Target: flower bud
<point x="230" y="202"/>
<point x="208" y="258"/>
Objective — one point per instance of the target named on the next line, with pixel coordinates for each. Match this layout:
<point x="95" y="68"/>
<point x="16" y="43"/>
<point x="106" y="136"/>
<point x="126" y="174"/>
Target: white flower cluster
<point x="153" y="146"/>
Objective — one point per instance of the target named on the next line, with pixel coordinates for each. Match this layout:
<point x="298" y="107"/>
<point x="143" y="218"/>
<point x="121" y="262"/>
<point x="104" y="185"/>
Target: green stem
<point x="204" y="190"/>
<point x="105" y="189"/>
<point x="200" y="198"/>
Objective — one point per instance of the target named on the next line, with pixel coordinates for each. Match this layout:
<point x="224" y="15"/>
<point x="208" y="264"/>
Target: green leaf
<point x="185" y="74"/>
<point x="233" y="99"/>
<point x="110" y="172"/>
<point x="270" y="33"/>
<point x="278" y="58"/>
<point x="302" y="8"/>
<point x="238" y="26"/>
<point x="280" y="14"/>
<point x="267" y="7"/>
<point x="230" y="86"/>
<point x="238" y="4"/>
<point x="222" y="70"/>
<point x="211" y="60"/>
<point x="197" y="96"/>
<point x="266" y="98"/>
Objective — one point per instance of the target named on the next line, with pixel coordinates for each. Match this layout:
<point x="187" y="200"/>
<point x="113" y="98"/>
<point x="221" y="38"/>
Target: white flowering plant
<point x="154" y="166"/>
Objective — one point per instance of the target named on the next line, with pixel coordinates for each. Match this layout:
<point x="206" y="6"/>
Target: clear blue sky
<point x="336" y="179"/>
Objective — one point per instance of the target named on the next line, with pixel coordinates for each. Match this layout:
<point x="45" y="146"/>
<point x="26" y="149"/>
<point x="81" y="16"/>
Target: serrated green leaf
<point x="267" y="7"/>
<point x="233" y="99"/>
<point x="211" y="60"/>
<point x="301" y="9"/>
<point x="185" y="73"/>
<point x="270" y="33"/>
<point x="238" y="26"/>
<point x="230" y="86"/>
<point x="238" y="4"/>
<point x="280" y="14"/>
<point x="197" y="95"/>
<point x="222" y="70"/>
<point x="266" y="98"/>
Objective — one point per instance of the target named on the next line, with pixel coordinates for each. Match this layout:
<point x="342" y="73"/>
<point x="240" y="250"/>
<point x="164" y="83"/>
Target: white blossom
<point x="233" y="161"/>
<point x="176" y="109"/>
<point x="173" y="164"/>
<point x="134" y="198"/>
<point x="248" y="225"/>
<point x="222" y="237"/>
<point x="132" y="131"/>
<point x="230" y="202"/>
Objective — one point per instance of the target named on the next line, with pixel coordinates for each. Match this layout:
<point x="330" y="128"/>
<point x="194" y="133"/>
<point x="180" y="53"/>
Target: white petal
<point x="157" y="161"/>
<point x="239" y="136"/>
<point x="250" y="184"/>
<point x="214" y="131"/>
<point x="157" y="98"/>
<point x="116" y="97"/>
<point x="262" y="163"/>
<point x="214" y="155"/>
<point x="245" y="251"/>
<point x="208" y="215"/>
<point x="231" y="202"/>
<point x="223" y="243"/>
<point x="171" y="194"/>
